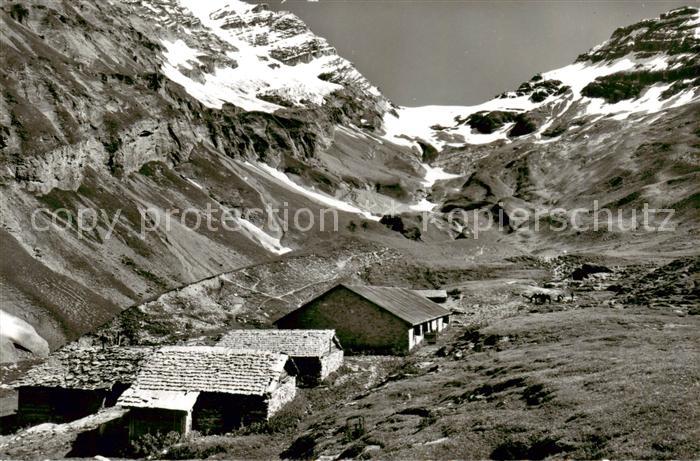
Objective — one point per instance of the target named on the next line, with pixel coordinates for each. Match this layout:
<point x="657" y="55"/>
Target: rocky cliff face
<point x="223" y="107"/>
<point x="108" y="80"/>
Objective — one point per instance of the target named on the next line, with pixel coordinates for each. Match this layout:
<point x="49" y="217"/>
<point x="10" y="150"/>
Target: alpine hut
<point x="369" y="319"/>
<point x="75" y="382"/>
<point x="208" y="389"/>
<point x="315" y="353"/>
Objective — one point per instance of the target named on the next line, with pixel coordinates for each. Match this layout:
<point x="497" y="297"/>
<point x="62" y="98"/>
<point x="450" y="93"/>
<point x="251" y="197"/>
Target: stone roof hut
<point x="315" y="353"/>
<point x="368" y="319"/>
<point x="209" y="389"/>
<point x="75" y="382"/>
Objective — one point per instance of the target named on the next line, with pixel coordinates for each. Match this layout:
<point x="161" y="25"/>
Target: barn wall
<point x="156" y="420"/>
<point x="310" y="371"/>
<point x="331" y="362"/>
<point x="38" y="405"/>
<point x="217" y="413"/>
<point x="360" y="325"/>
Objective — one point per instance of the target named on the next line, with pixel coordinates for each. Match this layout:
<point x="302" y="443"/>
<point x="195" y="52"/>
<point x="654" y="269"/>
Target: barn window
<point x="446" y="319"/>
<point x="416" y="330"/>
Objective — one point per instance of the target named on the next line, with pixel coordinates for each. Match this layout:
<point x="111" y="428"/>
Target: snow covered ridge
<point x="445" y="126"/>
<point x="580" y="89"/>
<point x="675" y="31"/>
<point x="229" y="51"/>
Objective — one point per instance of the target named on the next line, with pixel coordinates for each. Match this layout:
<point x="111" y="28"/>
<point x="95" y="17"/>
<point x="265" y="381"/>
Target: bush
<point x="196" y="450"/>
<point x="152" y="445"/>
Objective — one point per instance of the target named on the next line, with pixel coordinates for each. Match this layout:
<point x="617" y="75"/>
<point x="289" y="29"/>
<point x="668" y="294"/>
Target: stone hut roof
<point x="295" y="343"/>
<point x="403" y="303"/>
<point x="192" y="369"/>
<point x="166" y="400"/>
<point x="87" y="368"/>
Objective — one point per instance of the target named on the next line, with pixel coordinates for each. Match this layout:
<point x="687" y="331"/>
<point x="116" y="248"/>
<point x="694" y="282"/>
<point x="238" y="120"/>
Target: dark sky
<point x="463" y="52"/>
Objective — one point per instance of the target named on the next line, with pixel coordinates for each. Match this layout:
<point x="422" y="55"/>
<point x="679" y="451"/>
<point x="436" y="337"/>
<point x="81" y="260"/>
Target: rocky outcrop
<point x="676" y="284"/>
<point x="672" y="33"/>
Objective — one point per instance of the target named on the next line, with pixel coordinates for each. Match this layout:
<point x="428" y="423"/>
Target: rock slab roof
<point x="209" y="369"/>
<point x="87" y="368"/>
<point x="295" y="343"/>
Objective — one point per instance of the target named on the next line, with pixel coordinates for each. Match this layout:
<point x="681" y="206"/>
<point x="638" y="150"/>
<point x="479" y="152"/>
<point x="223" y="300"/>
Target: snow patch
<point x="179" y="53"/>
<point x="283" y="179"/>
<point x="351" y="131"/>
<point x="416" y="123"/>
<point x="580" y="74"/>
<point x="648" y="102"/>
<point x="270" y="243"/>
<point x="434" y="174"/>
<point x="423" y="205"/>
<point x="18" y="331"/>
<point x="412" y="124"/>
<point x="195" y="183"/>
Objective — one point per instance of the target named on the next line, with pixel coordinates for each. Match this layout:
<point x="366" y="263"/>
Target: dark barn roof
<point x="403" y="303"/>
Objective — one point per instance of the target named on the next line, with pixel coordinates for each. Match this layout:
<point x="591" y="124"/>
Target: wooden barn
<point x="75" y="382"/>
<point x="377" y="320"/>
<point x="315" y="353"/>
<point x="208" y="389"/>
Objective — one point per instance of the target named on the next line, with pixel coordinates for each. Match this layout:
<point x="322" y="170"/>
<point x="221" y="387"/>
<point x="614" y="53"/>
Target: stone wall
<point x="331" y="362"/>
<point x="361" y="326"/>
<point x="285" y="393"/>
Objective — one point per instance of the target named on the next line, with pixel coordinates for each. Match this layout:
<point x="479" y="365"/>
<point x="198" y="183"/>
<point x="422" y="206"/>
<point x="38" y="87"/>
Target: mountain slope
<point x="222" y="108"/>
<point x="90" y="119"/>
